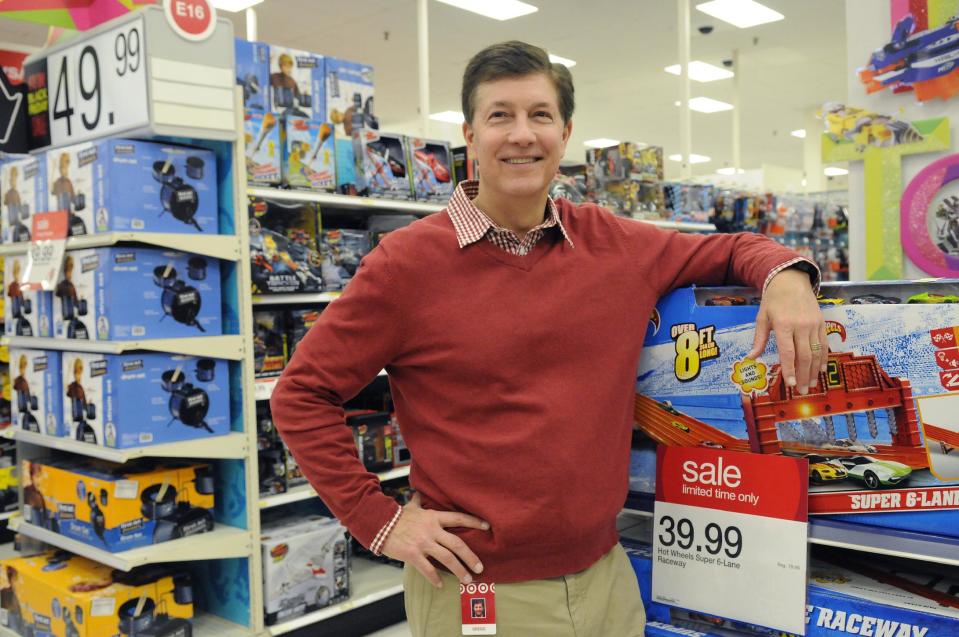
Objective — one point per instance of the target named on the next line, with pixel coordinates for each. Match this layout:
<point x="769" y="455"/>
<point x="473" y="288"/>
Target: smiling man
<point x="511" y="326"/>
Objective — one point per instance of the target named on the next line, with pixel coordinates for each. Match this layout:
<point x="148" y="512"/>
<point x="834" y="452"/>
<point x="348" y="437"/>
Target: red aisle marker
<point x="194" y="20"/>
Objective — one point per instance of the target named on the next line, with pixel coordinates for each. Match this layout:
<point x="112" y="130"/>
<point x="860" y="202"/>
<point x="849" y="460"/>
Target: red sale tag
<point x="50" y="225"/>
<point x="478" y="607"/>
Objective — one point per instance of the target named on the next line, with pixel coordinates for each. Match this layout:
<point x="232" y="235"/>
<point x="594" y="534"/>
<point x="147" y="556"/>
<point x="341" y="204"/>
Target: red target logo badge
<point x="193" y="20"/>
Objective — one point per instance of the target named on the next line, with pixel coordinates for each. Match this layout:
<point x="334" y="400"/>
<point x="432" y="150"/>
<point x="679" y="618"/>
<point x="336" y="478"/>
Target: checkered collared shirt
<point x="472" y="224"/>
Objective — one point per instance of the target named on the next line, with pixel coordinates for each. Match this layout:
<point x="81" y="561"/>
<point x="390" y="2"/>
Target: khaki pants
<point x="602" y="601"/>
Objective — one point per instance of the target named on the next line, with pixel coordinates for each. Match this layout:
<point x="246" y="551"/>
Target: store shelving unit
<point x="306" y="492"/>
<point x="231" y="446"/>
<point x="263" y="387"/>
<point x="228" y="347"/>
<point x="346" y="202"/>
<point x="226" y="247"/>
<point x="295" y="299"/>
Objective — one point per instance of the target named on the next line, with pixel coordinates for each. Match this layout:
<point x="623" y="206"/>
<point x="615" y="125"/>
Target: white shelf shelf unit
<point x="231" y="446"/>
<point x="348" y="202"/>
<point x="263" y="387"/>
<point x="316" y="298"/>
<point x="228" y="347"/>
<point x="225" y="247"/>
<point x="305" y="492"/>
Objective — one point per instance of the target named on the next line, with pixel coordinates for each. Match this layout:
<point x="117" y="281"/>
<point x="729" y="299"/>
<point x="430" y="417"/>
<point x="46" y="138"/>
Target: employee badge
<point x="478" y="608"/>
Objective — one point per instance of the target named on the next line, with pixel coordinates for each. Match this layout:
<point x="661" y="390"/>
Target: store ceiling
<point x="621" y="47"/>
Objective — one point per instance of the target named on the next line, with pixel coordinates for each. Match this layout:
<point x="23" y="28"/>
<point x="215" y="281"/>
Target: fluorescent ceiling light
<point x="568" y="63"/>
<point x="740" y="13"/>
<point x="701" y="71"/>
<point x="234" y="5"/>
<point x="833" y="171"/>
<point x="707" y="105"/>
<point x="450" y="117"/>
<point x="800" y="133"/>
<point x="729" y="170"/>
<point x="496" y="9"/>
<point x="693" y="158"/>
<point x="601" y="142"/>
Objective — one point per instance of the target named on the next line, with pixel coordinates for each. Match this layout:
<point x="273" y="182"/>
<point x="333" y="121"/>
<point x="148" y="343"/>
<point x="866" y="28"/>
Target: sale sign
<point x="730" y="535"/>
<point x="47" y="248"/>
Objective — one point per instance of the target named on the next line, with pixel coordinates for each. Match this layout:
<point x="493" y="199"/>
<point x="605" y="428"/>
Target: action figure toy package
<point x="283" y="247"/>
<point x="271" y="454"/>
<point x="132" y="293"/>
<point x="308" y="154"/>
<point x="569" y="183"/>
<point x="269" y="342"/>
<point x="342" y="250"/>
<point x="383" y="162"/>
<point x="881" y="427"/>
<point x="253" y="74"/>
<point x="24" y="185"/>
<point x="125" y="184"/>
<point x="465" y="166"/>
<point x="57" y="594"/>
<point x="627" y="179"/>
<point x="306" y="566"/>
<point x="26" y="311"/>
<point x="132" y="400"/>
<point x="300" y="322"/>
<point x="432" y="169"/>
<point x="381" y="225"/>
<point x="37" y="394"/>
<point x="373" y="433"/>
<point x="118" y="507"/>
<point x="263" y="148"/>
<point x="350" y="107"/>
<point x="296" y="83"/>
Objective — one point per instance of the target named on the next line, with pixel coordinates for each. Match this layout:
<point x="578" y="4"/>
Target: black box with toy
<point x="283" y="247"/>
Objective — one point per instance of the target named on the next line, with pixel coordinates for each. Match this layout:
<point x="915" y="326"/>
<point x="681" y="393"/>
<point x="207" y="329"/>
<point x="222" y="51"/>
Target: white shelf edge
<point x="204" y="625"/>
<point x="6" y="515"/>
<point x="226" y="346"/>
<point x="370" y="582"/>
<point x="221" y="543"/>
<point x="682" y="226"/>
<point x="263" y="387"/>
<point x="300" y="298"/>
<point x="305" y="492"/>
<point x="914" y="546"/>
<point x="346" y="201"/>
<point x="217" y="246"/>
<point x="230" y="446"/>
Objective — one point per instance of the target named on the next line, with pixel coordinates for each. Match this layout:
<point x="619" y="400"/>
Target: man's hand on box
<point x="789" y="309"/>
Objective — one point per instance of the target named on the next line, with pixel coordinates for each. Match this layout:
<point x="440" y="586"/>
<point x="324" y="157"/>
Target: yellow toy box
<point x="62" y="595"/>
<point x="118" y="507"/>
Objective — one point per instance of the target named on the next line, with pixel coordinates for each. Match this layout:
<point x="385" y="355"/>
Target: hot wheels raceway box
<point x="432" y="169"/>
<point x="118" y="507"/>
<point x="306" y="566"/>
<point x="132" y="400"/>
<point x="296" y="83"/>
<point x="37" y="396"/>
<point x="58" y="594"/>
<point x="263" y="151"/>
<point x="24" y="185"/>
<point x="308" y="154"/>
<point x="125" y="184"/>
<point x="383" y="162"/>
<point x="881" y="427"/>
<point x="132" y="293"/>
<point x="26" y="312"/>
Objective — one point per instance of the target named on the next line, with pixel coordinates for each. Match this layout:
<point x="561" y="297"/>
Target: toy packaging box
<point x="432" y="169"/>
<point x="296" y="83"/>
<point x="465" y="166"/>
<point x="253" y="74"/>
<point x="383" y="160"/>
<point x="263" y="148"/>
<point x="283" y="247"/>
<point x="270" y="453"/>
<point x="9" y="485"/>
<point x="627" y="179"/>
<point x="37" y="394"/>
<point x="269" y="342"/>
<point x="118" y="507"/>
<point x="373" y="434"/>
<point x="26" y="311"/>
<point x="341" y="251"/>
<point x="131" y="400"/>
<point x="58" y="594"/>
<point x="308" y="154"/>
<point x="880" y="429"/>
<point x="132" y="293"/>
<point x="24" y="185"/>
<point x="306" y="566"/>
<point x="124" y="184"/>
<point x="349" y="107"/>
<point x="569" y="183"/>
<point x="300" y="322"/>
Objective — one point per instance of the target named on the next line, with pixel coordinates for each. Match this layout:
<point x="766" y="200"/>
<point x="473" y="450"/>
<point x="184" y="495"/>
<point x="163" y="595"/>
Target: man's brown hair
<point x="515" y="59"/>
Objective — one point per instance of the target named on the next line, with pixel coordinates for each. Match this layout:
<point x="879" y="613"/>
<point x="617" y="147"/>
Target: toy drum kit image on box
<point x="881" y="427"/>
<point x="130" y="293"/>
<point x="36" y="385"/>
<point x="24" y="187"/>
<point x="57" y="594"/>
<point x="118" y="507"/>
<point x="306" y="566"/>
<point x="283" y="247"/>
<point x="26" y="311"/>
<point x="130" y="400"/>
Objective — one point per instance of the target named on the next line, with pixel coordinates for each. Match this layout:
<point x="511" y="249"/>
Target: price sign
<point x="98" y="86"/>
<point x="46" y="250"/>
<point x="730" y="535"/>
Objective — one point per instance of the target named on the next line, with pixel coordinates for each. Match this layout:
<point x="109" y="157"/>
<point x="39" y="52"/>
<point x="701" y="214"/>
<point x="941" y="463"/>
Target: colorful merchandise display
<point x="118" y="507"/>
<point x="37" y="391"/>
<point x="62" y="595"/>
<point x="341" y="251"/>
<point x="350" y="108"/>
<point x="373" y="433"/>
<point x="627" y="179"/>
<point x="930" y="219"/>
<point x="283" y="247"/>
<point x="26" y="311"/>
<point x="271" y="454"/>
<point x="269" y="342"/>
<point x="570" y="183"/>
<point x="432" y="169"/>
<point x="296" y="83"/>
<point x="253" y="74"/>
<point x="263" y="148"/>
<point x="308" y="154"/>
<point x="24" y="186"/>
<point x="384" y="162"/>
<point x="300" y="322"/>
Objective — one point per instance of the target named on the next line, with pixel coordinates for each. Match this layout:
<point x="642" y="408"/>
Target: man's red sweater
<point x="512" y="377"/>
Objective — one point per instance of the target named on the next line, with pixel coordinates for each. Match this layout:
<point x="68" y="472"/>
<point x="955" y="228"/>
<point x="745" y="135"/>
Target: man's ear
<point x="468" y="134"/>
<point x="567" y="130"/>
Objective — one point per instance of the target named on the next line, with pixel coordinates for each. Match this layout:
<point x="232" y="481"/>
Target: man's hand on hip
<point x="421" y="534"/>
<point x="789" y="308"/>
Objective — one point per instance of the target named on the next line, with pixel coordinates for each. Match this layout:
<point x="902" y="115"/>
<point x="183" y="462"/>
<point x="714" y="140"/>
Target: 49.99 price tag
<point x="46" y="250"/>
<point x="730" y="535"/>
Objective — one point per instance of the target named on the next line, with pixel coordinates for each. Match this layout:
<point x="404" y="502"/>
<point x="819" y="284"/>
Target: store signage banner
<point x="13" y="116"/>
<point x="730" y="535"/>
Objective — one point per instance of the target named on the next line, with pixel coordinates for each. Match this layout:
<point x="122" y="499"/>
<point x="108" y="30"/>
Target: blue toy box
<point x="349" y="107"/>
<point x="880" y="430"/>
<point x="125" y="184"/>
<point x="132" y="400"/>
<point x="253" y="74"/>
<point x="384" y="164"/>
<point x="26" y="311"/>
<point x="263" y="148"/>
<point x="308" y="154"/>
<point x="134" y="293"/>
<point x="24" y="185"/>
<point x="296" y="83"/>
<point x="36" y="398"/>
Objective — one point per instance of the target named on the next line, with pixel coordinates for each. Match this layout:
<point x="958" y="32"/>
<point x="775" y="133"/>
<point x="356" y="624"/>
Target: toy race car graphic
<point x="680" y="426"/>
<point x="874" y="299"/>
<point x="823" y="469"/>
<point x="726" y="301"/>
<point x="923" y="61"/>
<point x="932" y="297"/>
<point x="875" y="473"/>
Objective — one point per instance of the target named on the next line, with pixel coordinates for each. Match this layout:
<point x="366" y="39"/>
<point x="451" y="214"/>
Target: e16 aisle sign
<point x="730" y="535"/>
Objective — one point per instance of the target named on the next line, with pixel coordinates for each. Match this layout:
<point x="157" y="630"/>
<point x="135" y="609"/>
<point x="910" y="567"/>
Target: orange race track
<point x="945" y="437"/>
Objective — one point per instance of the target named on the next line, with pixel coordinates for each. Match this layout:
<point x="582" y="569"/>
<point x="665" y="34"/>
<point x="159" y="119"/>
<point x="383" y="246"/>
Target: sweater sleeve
<point x="355" y="337"/>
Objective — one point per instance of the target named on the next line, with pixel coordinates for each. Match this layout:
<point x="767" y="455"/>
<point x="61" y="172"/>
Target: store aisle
<point x="399" y="630"/>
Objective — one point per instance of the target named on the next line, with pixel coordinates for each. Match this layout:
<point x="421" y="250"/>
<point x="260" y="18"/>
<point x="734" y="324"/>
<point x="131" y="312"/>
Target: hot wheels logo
<point x="834" y="327"/>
